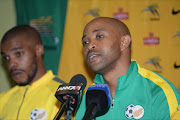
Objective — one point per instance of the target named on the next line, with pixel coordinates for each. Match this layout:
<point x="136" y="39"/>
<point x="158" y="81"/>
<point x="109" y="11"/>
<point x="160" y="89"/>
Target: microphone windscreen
<point x="100" y="95"/>
<point x="79" y="78"/>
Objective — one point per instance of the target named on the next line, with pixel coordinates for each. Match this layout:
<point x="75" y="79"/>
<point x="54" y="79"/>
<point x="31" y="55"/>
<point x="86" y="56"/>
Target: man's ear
<point x="39" y="50"/>
<point x="125" y="42"/>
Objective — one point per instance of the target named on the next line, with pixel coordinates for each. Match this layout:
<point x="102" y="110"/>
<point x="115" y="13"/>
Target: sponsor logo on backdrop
<point x="151" y="40"/>
<point x="121" y="15"/>
<point x="177" y="34"/>
<point x="175" y="12"/>
<point x="44" y="26"/>
<point x="154" y="10"/>
<point x="93" y="12"/>
<point x="176" y="66"/>
<point x="155" y="61"/>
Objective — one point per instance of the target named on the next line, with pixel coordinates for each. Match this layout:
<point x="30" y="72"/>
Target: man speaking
<point x="136" y="93"/>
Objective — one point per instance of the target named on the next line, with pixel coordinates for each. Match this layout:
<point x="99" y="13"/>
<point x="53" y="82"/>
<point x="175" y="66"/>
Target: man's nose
<point x="91" y="46"/>
<point x="12" y="64"/>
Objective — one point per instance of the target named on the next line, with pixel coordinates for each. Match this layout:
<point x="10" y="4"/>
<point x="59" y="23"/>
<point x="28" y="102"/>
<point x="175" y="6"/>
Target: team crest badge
<point x="135" y="112"/>
<point x="38" y="114"/>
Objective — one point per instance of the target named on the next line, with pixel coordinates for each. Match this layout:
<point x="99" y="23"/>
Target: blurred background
<point x="154" y="27"/>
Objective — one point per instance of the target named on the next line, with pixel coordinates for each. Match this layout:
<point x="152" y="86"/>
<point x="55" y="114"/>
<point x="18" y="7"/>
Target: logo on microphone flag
<point x="69" y="87"/>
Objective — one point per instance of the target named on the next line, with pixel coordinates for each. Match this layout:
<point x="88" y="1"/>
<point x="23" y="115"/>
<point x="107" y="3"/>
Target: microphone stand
<point x="64" y="107"/>
<point x="90" y="112"/>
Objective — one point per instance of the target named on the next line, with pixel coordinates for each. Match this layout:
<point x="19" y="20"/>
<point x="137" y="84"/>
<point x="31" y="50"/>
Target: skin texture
<point x="22" y="50"/>
<point x="106" y="49"/>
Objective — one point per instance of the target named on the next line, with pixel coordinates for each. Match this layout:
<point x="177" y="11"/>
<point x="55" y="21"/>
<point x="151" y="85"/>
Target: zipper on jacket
<point x="112" y="104"/>
<point x="21" y="103"/>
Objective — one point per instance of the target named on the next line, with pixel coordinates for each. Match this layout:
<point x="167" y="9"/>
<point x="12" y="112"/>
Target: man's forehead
<point x="15" y="44"/>
<point x="95" y="27"/>
<point x="20" y="40"/>
<point x="98" y="28"/>
<point x="11" y="44"/>
<point x="101" y="23"/>
<point x="95" y="23"/>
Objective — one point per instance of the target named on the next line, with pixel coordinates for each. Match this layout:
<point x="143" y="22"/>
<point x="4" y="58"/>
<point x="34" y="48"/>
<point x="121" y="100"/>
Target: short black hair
<point x="26" y="30"/>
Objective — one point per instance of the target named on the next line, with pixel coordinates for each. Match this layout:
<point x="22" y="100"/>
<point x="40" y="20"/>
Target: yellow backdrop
<point x="154" y="28"/>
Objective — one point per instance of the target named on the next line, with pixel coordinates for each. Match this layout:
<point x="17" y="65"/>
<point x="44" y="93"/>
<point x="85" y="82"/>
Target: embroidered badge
<point x="129" y="111"/>
<point x="135" y="112"/>
<point x="40" y="114"/>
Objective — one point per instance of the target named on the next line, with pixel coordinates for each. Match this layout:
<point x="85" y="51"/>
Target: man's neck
<point x="38" y="75"/>
<point x="111" y="77"/>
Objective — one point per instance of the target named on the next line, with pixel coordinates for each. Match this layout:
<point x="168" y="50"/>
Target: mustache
<point x="20" y="70"/>
<point x="92" y="51"/>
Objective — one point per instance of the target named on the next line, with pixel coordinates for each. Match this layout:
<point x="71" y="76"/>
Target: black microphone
<point x="70" y="94"/>
<point x="97" y="101"/>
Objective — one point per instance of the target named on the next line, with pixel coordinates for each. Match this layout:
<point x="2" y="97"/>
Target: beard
<point x="105" y="65"/>
<point x="30" y="77"/>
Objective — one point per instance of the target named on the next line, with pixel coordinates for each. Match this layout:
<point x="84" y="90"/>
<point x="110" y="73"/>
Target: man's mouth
<point x="92" y="57"/>
<point x="16" y="73"/>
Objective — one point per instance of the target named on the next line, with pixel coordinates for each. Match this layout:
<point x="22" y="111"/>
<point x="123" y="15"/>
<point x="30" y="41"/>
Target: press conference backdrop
<point x="154" y="26"/>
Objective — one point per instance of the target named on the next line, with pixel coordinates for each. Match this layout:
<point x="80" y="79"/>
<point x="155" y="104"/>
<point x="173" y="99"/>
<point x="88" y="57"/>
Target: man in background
<point x="33" y="96"/>
<point x="136" y="93"/>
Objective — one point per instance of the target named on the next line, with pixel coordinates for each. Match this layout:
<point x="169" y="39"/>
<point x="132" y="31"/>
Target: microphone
<point x="97" y="101"/>
<point x="70" y="94"/>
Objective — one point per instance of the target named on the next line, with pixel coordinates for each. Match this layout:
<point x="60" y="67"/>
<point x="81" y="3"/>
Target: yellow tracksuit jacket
<point x="31" y="102"/>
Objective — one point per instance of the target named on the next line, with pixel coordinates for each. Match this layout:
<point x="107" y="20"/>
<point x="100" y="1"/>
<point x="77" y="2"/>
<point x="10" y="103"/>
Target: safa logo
<point x="120" y="15"/>
<point x="151" y="40"/>
<point x="155" y="61"/>
<point x="177" y="34"/>
<point x="153" y="9"/>
<point x="44" y="25"/>
<point x="94" y="12"/>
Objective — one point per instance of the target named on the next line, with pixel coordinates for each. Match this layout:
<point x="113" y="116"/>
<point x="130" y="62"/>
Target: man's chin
<point x="98" y="70"/>
<point x="95" y="69"/>
<point x="24" y="83"/>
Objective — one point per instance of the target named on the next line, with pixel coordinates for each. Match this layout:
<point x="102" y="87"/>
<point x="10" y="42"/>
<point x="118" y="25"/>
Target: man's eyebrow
<point x="13" y="49"/>
<point x="98" y="30"/>
<point x="83" y="37"/>
<point x="93" y="32"/>
<point x="16" y="48"/>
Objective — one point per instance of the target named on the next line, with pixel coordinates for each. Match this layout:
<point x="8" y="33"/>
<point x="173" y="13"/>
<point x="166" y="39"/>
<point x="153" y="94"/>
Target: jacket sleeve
<point x="176" y="115"/>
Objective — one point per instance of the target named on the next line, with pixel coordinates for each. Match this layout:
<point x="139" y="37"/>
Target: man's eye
<point x="99" y="36"/>
<point x="85" y="43"/>
<point x="19" y="54"/>
<point x="6" y="58"/>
